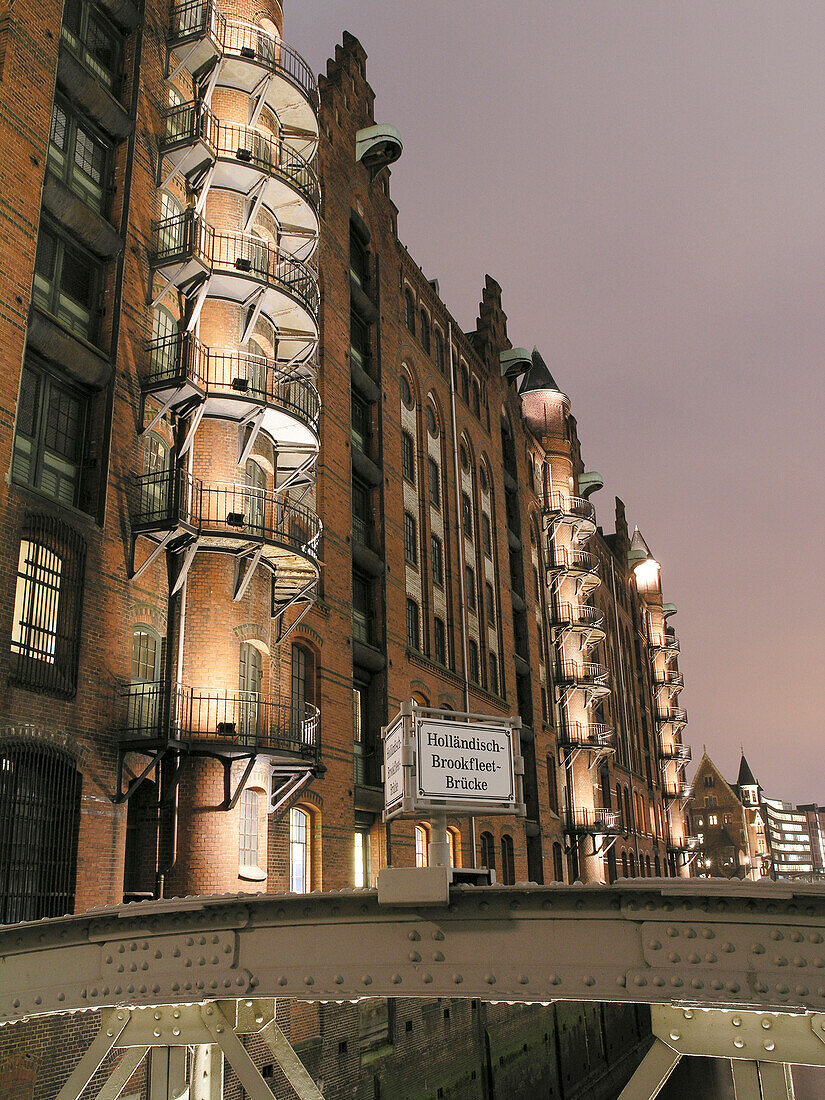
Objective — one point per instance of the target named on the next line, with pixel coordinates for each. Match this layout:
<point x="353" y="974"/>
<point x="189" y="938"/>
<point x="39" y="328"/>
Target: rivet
<point x="769" y="1045"/>
<point x="413" y="936"/>
<point x="438" y="935"/>
<point x="366" y="980"/>
<point x="738" y="1043"/>
<point x="676" y="1036"/>
<point x="157" y="1015"/>
<point x="523" y="979"/>
<point x="428" y="978"/>
<point x="156" y="1032"/>
<point x="176" y="1031"/>
<point x="457" y="978"/>
<point x="438" y="957"/>
<point x="339" y="979"/>
<point x="490" y="979"/>
<point x="209" y="1011"/>
<point x="309" y="980"/>
<point x="688" y="1013"/>
<point x="110" y="1033"/>
<point x="396" y="979"/>
<point x="766" y="1023"/>
<point x="248" y="1004"/>
<point x="219" y="1029"/>
<point x="737" y="1021"/>
<point x="414" y="957"/>
<point x="259" y="1019"/>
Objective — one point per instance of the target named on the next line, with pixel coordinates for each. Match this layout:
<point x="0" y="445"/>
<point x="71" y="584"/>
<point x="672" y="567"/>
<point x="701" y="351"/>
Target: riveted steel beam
<point x="645" y="941"/>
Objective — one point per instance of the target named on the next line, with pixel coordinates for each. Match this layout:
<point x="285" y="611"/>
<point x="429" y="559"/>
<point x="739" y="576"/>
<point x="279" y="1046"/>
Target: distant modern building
<point x="740" y="833"/>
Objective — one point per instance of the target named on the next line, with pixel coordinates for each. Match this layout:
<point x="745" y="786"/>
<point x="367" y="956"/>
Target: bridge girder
<point x="667" y="941"/>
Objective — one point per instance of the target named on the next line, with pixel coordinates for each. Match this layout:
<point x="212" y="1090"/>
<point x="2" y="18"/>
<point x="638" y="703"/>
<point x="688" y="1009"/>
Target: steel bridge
<point x="731" y="970"/>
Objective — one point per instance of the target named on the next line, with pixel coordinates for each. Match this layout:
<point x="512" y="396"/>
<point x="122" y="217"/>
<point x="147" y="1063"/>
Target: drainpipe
<point x="461" y="560"/>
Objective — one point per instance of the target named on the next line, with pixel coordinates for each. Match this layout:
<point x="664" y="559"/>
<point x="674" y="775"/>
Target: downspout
<point x="624" y="705"/>
<point x="461" y="560"/>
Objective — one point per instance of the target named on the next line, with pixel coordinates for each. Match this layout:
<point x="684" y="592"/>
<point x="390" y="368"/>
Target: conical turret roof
<point x="639" y="546"/>
<point x="745" y="777"/>
<point x="538" y="377"/>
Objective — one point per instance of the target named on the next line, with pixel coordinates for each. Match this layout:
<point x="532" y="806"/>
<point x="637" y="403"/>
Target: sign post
<point x="439" y="763"/>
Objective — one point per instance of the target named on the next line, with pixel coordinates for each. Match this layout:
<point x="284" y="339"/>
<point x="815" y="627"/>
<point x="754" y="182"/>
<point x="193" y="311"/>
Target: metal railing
<point x="676" y="716"/>
<point x="685" y="844"/>
<point x="241" y="719"/>
<point x="198" y="18"/>
<point x="680" y="753"/>
<point x="566" y="560"/>
<point x="597" y="735"/>
<point x="187" y="236"/>
<point x="667" y="642"/>
<point x="231" y="510"/>
<point x="186" y="123"/>
<point x="586" y="673"/>
<point x="181" y="357"/>
<point x="674" y="791"/>
<point x="269" y="155"/>
<point x="669" y="679"/>
<point x="575" y="507"/>
<point x="595" y="820"/>
<point x="583" y="615"/>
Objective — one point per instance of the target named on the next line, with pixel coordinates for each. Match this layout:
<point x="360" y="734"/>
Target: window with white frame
<point x="249" y="856"/>
<point x="299" y="852"/>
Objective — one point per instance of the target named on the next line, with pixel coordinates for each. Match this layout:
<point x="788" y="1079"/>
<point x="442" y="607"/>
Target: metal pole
<point x="438" y="854"/>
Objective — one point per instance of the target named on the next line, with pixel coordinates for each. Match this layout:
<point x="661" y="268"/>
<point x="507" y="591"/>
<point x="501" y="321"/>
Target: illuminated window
<point x="48" y="439"/>
<point x="248" y="833"/>
<point x="361" y="857"/>
<point x="299" y="858"/>
<point x="454" y="844"/>
<point x="421" y="840"/>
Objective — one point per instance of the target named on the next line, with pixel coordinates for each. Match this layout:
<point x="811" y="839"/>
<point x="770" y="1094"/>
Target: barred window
<point x="410" y="539"/>
<point x="438" y="561"/>
<point x="435" y="483"/>
<point x="48" y="438"/>
<point x="413" y="626"/>
<point x="39" y="823"/>
<point x="408" y="457"/>
<point x="45" y="636"/>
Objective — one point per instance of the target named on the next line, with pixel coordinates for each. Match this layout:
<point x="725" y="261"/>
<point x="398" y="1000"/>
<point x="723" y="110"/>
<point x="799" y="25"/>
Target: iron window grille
<point x="48" y="438"/>
<point x="79" y="156"/>
<point x="45" y="637"/>
<point x="39" y="823"/>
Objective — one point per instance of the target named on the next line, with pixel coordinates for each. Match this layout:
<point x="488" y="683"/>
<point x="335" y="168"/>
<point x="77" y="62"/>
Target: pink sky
<point x="647" y="183"/>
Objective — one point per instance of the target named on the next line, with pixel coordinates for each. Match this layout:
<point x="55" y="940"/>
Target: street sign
<point x="441" y="762"/>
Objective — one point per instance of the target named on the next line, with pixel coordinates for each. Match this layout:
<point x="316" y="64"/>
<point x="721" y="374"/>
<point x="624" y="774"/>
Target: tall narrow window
<point x="363" y="876"/>
<point x="248" y="857"/>
<point x="437" y="551"/>
<point x="302" y="692"/>
<point x="408" y="457"/>
<point x="155" y="485"/>
<point x="255" y="509"/>
<point x="299" y="851"/>
<point x="470" y="585"/>
<point x="490" y="600"/>
<point x="48" y="440"/>
<point x="495" y="687"/>
<point x="250" y="679"/>
<point x="454" y="845"/>
<point x="39" y="824"/>
<point x="486" y="535"/>
<point x="410" y="539"/>
<point x="440" y="641"/>
<point x="425" y="332"/>
<point x="558" y="863"/>
<point x="440" y="360"/>
<point x="413" y="625"/>
<point x="476" y="399"/>
<point x="362" y="611"/>
<point x="421" y="840"/>
<point x="79" y="155"/>
<point x="467" y="516"/>
<point x="45" y="634"/>
<point x="409" y="310"/>
<point x="488" y="851"/>
<point x="552" y="790"/>
<point x="508" y="873"/>
<point x="359" y="266"/>
<point x="435" y="482"/>
<point x="66" y="282"/>
<point x="145" y="687"/>
<point x="472" y="650"/>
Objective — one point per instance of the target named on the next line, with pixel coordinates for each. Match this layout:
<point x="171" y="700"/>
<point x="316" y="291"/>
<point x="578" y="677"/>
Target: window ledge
<point x="85" y="363"/>
<point x="82" y="220"/>
<point x="88" y="92"/>
<point x="251" y="874"/>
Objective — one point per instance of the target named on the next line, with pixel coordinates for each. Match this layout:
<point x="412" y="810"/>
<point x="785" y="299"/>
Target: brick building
<point x="212" y="383"/>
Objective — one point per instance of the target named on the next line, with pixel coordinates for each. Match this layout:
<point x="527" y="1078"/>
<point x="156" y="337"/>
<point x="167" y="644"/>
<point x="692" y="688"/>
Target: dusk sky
<point x="647" y="183"/>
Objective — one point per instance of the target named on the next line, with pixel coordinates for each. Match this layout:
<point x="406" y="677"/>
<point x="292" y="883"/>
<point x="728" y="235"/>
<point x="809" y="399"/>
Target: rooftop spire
<point x="538" y="377"/>
<point x="745" y="777"/>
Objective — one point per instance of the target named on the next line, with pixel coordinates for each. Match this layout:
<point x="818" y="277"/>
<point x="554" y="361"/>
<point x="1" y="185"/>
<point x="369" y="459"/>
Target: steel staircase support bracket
<point x="257" y="98"/>
<point x="124" y="796"/>
<point x="159" y="415"/>
<point x="204" y="192"/>
<point x="256" y="198"/>
<point x="244" y="576"/>
<point x="186" y="565"/>
<point x="159" y="548"/>
<point x="230" y="798"/>
<point x="200" y="298"/>
<point x="170" y="75"/>
<point x="256" y="297"/>
<point x="197" y="416"/>
<point x="210" y="82"/>
<point x="158" y="298"/>
<point x="255" y="422"/>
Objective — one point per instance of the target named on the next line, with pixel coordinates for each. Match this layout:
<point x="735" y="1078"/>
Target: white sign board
<point x="393" y="771"/>
<point x="464" y="763"/>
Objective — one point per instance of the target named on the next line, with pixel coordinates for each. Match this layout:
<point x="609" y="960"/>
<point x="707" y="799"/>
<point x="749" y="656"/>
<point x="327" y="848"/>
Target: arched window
<point x="493" y="671"/>
<point x="409" y="310"/>
<point x="628" y="818"/>
<point x="454" y="842"/>
<point x="172" y="228"/>
<point x="647" y="864"/>
<point x="39" y="824"/>
<point x="465" y="384"/>
<point x="302" y="694"/>
<point x="558" y="863"/>
<point x="658" y="865"/>
<point x="508" y="866"/>
<point x="619" y="807"/>
<point x="154" y="486"/>
<point x="632" y="865"/>
<point x="163" y="351"/>
<point x="488" y="851"/>
<point x="421" y="842"/>
<point x="145" y="686"/>
<point x="299" y="850"/>
<point x="472" y="651"/>
<point x="250" y="680"/>
<point x="440" y="360"/>
<point x="425" y="332"/>
<point x="624" y="864"/>
<point x="413" y="626"/>
<point x="406" y="392"/>
<point x="476" y="399"/>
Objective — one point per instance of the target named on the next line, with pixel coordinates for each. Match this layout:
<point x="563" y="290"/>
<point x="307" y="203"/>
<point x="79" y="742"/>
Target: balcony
<point x="244" y="160"/>
<point x="229" y="518"/>
<point x="671" y="679"/>
<point x="250" y="59"/>
<point x="686" y="845"/>
<point x="595" y="736"/>
<point x="591" y="678"/>
<point x="581" y="618"/>
<point x="672" y="716"/>
<point x="595" y="820"/>
<point x="239" y="267"/>
<point x="676" y="791"/>
<point x="665" y="643"/>
<point x="227" y="722"/>
<point x="576" y="562"/>
<point x="234" y="385"/>
<point x="680" y="755"/>
<point x="576" y="512"/>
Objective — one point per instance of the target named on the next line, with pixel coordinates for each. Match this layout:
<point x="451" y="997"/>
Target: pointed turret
<point x="538" y="377"/>
<point x="746" y="776"/>
<point x="544" y="407"/>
